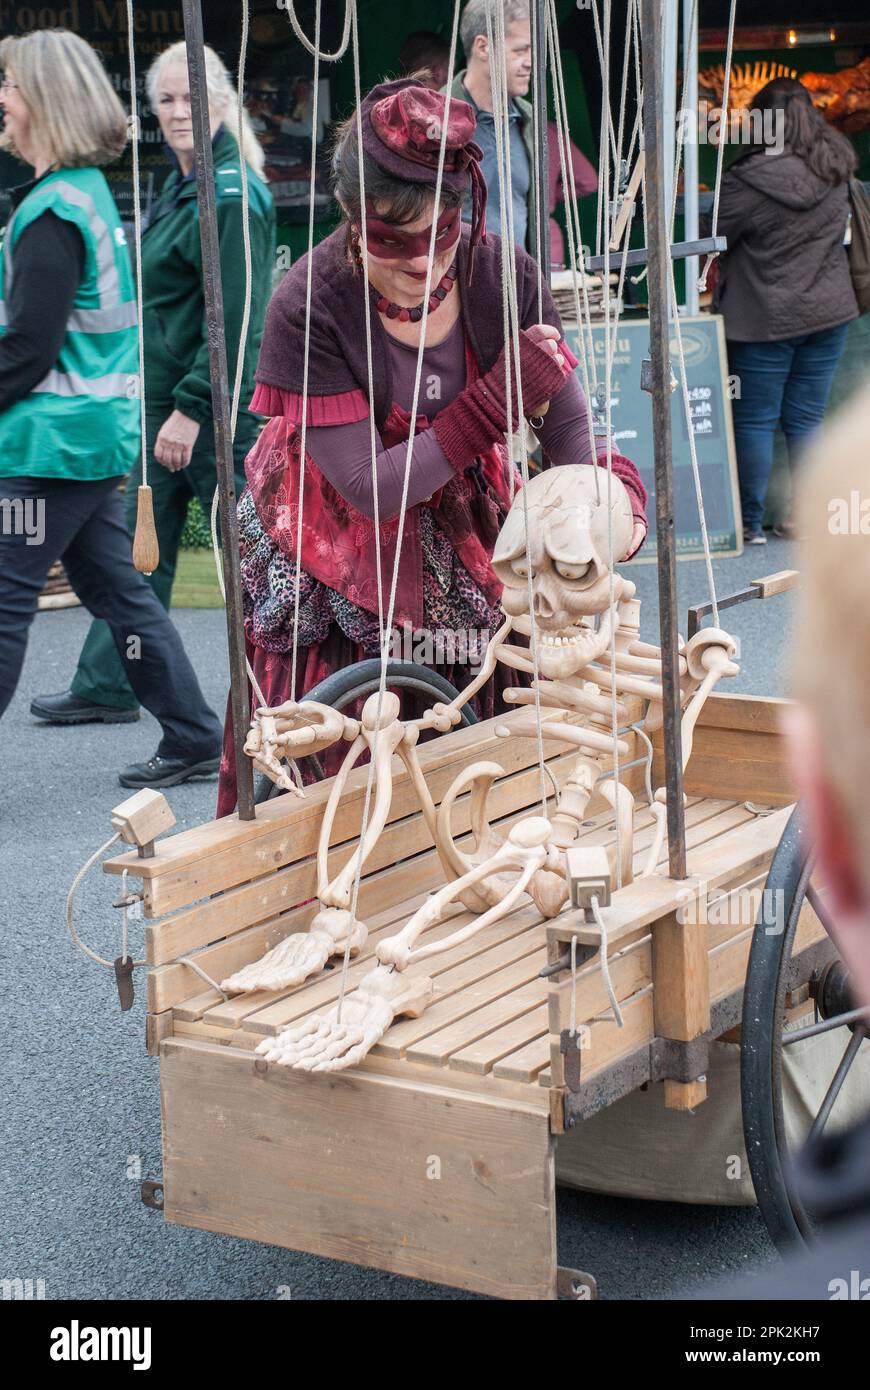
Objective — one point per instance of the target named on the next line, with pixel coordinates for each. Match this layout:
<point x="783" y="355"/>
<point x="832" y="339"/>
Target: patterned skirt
<point x="333" y="633"/>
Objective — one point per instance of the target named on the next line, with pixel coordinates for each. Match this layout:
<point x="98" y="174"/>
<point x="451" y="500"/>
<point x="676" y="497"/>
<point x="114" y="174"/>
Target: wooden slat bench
<point x="434" y="1158"/>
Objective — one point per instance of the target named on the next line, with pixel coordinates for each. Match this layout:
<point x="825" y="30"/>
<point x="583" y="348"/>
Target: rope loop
<point x="314" y="48"/>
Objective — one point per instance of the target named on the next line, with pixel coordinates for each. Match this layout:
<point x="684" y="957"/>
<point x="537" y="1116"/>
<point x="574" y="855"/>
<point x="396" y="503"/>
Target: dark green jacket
<point x="176" y="341"/>
<point x="526" y="111"/>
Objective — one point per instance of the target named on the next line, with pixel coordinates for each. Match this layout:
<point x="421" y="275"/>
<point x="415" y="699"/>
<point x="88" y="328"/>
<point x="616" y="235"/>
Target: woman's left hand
<point x="638" y="536"/>
<point x="175" y="440"/>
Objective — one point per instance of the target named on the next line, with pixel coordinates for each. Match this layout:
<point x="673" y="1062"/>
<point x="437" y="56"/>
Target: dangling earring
<point x="354" y="248"/>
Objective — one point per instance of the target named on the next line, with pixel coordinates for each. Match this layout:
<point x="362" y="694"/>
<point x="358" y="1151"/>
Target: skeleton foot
<point x="300" y="955"/>
<point x="324" y="1044"/>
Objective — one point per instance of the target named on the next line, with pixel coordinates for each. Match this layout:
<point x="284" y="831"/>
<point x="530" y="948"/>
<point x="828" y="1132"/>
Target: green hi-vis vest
<point x="82" y="420"/>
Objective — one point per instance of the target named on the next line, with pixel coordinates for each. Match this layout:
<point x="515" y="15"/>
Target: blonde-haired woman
<point x="177" y="382"/>
<point x="68" y="385"/>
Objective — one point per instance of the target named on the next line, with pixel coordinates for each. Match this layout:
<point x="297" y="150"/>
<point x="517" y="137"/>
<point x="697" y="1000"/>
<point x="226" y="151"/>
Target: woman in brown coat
<point x="785" y="289"/>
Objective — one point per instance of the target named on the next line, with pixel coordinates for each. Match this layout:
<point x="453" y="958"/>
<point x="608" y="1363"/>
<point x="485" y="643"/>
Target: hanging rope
<point x="297" y="578"/>
<point x="683" y="375"/>
<point x="367" y="308"/>
<point x="146" y="551"/>
<point x="70" y="903"/>
<point x="315" y="49"/>
<point x="720" y="153"/>
<point x="503" y="157"/>
<point x="605" y="964"/>
<point x="418" y="375"/>
<point x="572" y="222"/>
<point x="604" y="184"/>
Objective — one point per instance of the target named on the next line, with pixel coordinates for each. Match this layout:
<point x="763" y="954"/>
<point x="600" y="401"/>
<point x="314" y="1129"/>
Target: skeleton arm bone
<point x="382" y="742"/>
<point x="587" y="739"/>
<point x="525" y="849"/>
<point x="443" y="716"/>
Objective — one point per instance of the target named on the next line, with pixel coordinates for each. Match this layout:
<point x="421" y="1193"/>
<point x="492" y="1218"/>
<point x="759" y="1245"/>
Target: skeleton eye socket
<point x="572" y="571"/>
<point x="520" y="568"/>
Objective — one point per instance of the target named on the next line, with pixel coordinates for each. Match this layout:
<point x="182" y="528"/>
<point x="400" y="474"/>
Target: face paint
<point x="387" y="242"/>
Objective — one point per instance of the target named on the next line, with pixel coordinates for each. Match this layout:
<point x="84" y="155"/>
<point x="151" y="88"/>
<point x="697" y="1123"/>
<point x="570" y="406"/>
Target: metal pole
<point x="690" y="150"/>
<point x="657" y="278"/>
<point x="539" y="97"/>
<point x="669" y="97"/>
<point x="217" y="358"/>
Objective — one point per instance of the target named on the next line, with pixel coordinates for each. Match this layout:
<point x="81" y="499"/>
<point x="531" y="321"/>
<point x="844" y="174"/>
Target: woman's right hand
<point x="479" y="415"/>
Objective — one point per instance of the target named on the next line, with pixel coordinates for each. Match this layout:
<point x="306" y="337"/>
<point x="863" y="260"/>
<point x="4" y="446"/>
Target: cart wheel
<point x="771" y="978"/>
<point x="343" y="687"/>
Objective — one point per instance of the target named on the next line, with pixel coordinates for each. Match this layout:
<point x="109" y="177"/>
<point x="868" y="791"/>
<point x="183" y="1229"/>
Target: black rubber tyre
<point x="341" y="688"/>
<point x="769" y="977"/>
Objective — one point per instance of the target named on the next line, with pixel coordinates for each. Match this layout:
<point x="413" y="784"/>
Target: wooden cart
<point x="435" y="1157"/>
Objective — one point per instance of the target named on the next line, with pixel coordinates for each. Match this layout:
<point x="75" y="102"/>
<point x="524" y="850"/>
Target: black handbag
<point x="859" y="248"/>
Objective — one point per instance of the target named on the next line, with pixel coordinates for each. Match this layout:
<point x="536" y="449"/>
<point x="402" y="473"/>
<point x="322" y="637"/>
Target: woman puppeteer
<point x="459" y="485"/>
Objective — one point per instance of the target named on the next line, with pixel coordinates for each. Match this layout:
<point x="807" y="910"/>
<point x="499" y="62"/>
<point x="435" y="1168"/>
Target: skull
<point x="570" y="562"/>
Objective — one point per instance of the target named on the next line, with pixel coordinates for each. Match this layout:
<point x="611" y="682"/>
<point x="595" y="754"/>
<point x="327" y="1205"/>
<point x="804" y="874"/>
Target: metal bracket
<point x="647" y="382"/>
<point x="151" y="1193"/>
<point x="575" y="1286"/>
<point x="680" y="251"/>
<point x="582" y="954"/>
<point x="672" y="1060"/>
<point x="759" y="588"/>
<point x="570" y="1050"/>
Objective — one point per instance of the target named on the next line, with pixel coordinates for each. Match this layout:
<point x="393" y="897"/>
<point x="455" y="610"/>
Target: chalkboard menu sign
<point x="710" y="408"/>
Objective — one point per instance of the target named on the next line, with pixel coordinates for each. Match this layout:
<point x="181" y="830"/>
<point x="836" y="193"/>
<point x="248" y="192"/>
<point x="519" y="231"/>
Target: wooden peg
<point x="778" y="583"/>
<point x="146" y="551"/>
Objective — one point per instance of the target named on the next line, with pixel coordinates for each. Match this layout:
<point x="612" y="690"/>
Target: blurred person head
<point x="805" y="132"/>
<point x="426" y="56"/>
<point x="60" y="111"/>
<point x="829" y="731"/>
<point x="168" y="87"/>
<point x="518" y="43"/>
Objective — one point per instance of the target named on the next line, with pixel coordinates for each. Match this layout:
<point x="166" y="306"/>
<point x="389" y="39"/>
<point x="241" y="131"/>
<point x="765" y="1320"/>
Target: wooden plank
<point x="681" y="985"/>
<point x="685" y="1095"/>
<point x="455" y="1019"/>
<point x="728" y="962"/>
<point x="294" y="842"/>
<point x="223" y="853"/>
<point x="481" y="1056"/>
<point x="322" y="992"/>
<point x="233" y="1013"/>
<point x="527" y="1063"/>
<point x="425" y="1182"/>
<point x="778" y="583"/>
<point x="768" y="783"/>
<point x="743" y="850"/>
<point x="758" y="713"/>
<point x="402" y="1070"/>
<point x="604" y="1042"/>
<point x="437" y="1048"/>
<point x="241" y="907"/>
<point x="157" y="1027"/>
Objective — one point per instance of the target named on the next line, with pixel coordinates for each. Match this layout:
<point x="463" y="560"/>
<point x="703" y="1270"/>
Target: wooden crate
<point x="434" y="1158"/>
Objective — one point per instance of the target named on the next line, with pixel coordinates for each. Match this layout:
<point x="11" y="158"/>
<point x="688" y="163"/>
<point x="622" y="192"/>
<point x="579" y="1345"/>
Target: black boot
<point x="66" y="708"/>
<point x="167" y="772"/>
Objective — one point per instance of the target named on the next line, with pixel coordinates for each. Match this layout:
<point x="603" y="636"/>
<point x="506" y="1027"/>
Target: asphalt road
<point x="80" y="1105"/>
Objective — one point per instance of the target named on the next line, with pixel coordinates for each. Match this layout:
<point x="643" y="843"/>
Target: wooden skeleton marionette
<point x="580" y="618"/>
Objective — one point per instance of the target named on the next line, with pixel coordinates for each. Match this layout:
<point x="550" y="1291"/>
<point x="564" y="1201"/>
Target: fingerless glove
<point x="478" y="417"/>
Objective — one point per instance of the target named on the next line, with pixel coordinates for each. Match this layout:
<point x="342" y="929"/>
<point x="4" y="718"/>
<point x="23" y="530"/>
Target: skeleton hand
<point x="321" y="1043"/>
<point x="300" y="955"/>
<point x="293" y="730"/>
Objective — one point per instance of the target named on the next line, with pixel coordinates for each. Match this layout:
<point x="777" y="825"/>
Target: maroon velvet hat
<point x="402" y="124"/>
